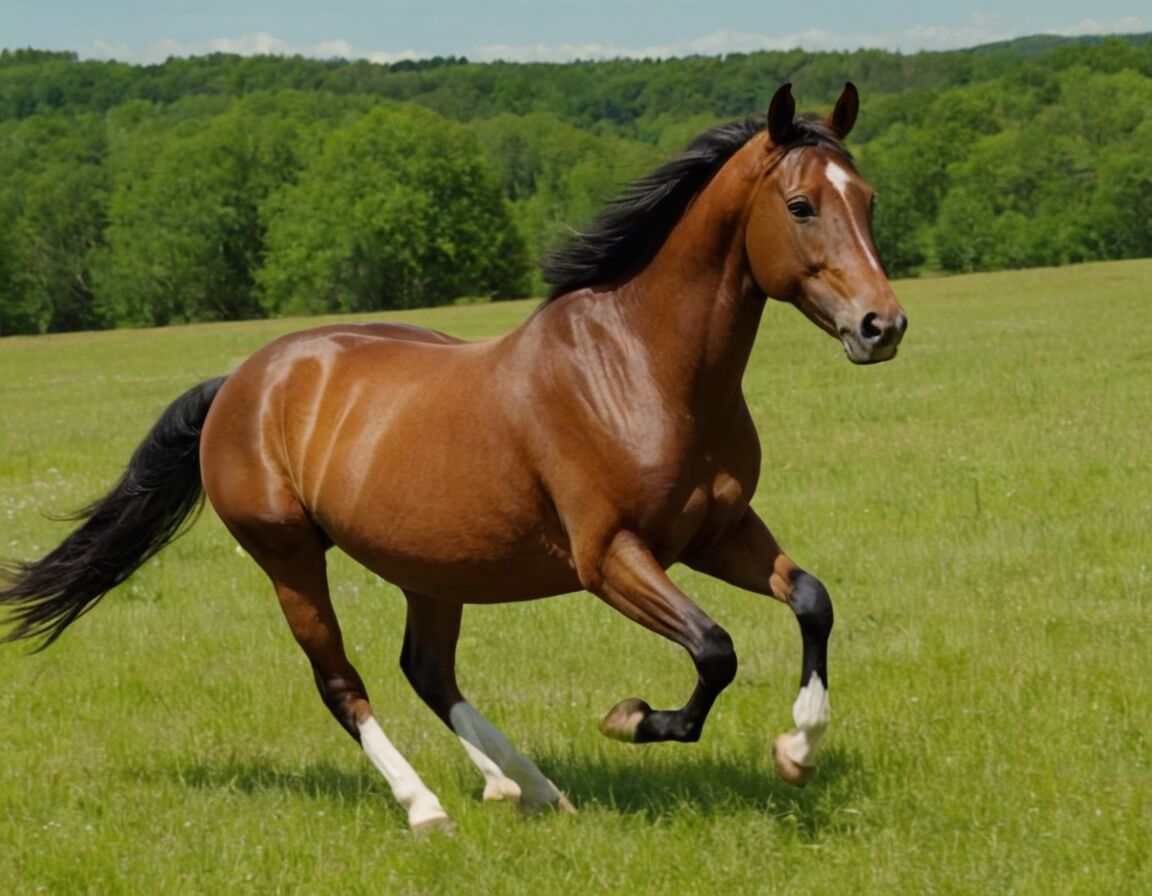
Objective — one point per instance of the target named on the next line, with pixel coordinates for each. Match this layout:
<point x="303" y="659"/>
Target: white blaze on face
<point x="841" y="179"/>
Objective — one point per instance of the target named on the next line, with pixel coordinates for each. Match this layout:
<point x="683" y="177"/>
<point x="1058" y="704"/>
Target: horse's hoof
<point x="432" y="823"/>
<point x="562" y="805"/>
<point x="559" y="804"/>
<point x="786" y="767"/>
<point x="503" y="789"/>
<point x="623" y="719"/>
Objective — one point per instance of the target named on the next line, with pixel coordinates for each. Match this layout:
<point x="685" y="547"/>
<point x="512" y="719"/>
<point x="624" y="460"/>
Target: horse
<point x="601" y="441"/>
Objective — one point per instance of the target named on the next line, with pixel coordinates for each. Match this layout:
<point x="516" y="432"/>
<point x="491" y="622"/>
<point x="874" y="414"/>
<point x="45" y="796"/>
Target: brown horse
<point x="603" y="440"/>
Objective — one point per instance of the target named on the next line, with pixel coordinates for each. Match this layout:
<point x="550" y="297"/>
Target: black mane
<point x="629" y="231"/>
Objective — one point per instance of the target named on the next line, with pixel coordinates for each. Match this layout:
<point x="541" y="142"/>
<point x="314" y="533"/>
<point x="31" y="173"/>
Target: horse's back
<point x="396" y="331"/>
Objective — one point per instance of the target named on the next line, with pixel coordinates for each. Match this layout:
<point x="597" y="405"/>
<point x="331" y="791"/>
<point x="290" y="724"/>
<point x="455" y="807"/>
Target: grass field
<point x="980" y="510"/>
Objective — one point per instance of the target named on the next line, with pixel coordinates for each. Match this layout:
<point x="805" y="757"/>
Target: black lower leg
<point x="428" y="658"/>
<point x="813" y="608"/>
<point x="715" y="660"/>
<point x="430" y="679"/>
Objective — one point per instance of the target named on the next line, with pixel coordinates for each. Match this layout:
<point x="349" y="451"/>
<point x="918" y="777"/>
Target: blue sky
<point x="539" y="30"/>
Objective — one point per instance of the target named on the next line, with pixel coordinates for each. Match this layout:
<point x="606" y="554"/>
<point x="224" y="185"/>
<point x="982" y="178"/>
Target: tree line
<point x="226" y="187"/>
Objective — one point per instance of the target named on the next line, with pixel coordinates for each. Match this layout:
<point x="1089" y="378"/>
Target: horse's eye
<point x="801" y="209"/>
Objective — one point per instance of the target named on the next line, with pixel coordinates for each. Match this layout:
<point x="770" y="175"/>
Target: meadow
<point x="979" y="509"/>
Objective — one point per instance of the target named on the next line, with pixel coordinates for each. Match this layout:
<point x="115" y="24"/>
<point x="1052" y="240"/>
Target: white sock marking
<point x="422" y="805"/>
<point x="810" y="712"/>
<point x="497" y="785"/>
<point x="494" y="755"/>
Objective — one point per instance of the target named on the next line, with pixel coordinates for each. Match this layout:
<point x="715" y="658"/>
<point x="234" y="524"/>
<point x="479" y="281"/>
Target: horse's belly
<point x="467" y="537"/>
<point x="526" y="576"/>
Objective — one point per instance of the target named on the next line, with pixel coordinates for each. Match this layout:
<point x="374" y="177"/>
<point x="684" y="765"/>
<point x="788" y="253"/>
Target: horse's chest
<point x="679" y="529"/>
<point x="712" y="505"/>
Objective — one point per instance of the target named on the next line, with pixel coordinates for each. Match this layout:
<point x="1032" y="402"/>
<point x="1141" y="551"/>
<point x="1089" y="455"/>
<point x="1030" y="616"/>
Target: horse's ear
<point x="781" y="114"/>
<point x="843" y="117"/>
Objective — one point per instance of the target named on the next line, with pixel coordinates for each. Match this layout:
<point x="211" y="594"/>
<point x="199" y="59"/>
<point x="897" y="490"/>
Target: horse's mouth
<point x="859" y="353"/>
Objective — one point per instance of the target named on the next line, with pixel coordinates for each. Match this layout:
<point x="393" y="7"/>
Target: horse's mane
<point x="630" y="230"/>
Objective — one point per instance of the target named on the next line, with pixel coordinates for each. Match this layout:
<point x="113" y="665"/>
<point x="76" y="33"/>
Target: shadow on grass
<point x="676" y="782"/>
<point x="648" y="783"/>
<point x="319" y="781"/>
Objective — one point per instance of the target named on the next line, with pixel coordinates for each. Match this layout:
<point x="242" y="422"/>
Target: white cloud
<point x="259" y="44"/>
<point x="1126" y="25"/>
<point x="980" y="29"/>
<point x="720" y="43"/>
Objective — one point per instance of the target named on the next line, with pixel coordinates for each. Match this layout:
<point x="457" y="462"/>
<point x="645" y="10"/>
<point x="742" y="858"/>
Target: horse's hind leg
<point x="429" y="662"/>
<point x="294" y="558"/>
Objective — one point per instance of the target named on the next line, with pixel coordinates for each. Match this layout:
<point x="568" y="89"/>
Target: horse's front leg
<point x="750" y="558"/>
<point x="627" y="577"/>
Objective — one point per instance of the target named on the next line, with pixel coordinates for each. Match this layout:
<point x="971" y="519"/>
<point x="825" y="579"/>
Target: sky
<point x="149" y="31"/>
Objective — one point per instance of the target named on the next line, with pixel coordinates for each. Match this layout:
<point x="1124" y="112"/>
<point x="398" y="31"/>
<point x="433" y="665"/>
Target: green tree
<point x="399" y="210"/>
<point x="137" y="194"/>
<point x="185" y="235"/>
<point x="62" y="224"/>
<point x="911" y="166"/>
<point x="52" y="215"/>
<point x="1121" y="211"/>
<point x="557" y="176"/>
<point x="1019" y="200"/>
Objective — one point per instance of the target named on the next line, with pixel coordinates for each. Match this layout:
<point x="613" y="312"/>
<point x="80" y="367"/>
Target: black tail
<point x="144" y="511"/>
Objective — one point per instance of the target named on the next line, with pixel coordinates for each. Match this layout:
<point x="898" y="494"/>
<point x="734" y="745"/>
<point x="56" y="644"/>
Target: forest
<point x="226" y="187"/>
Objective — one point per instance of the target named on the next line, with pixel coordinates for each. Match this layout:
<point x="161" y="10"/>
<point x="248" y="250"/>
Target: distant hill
<point x="1039" y="44"/>
<point x="222" y="186"/>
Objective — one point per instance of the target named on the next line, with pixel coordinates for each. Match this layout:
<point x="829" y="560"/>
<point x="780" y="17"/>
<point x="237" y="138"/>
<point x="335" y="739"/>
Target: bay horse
<point x="604" y="439"/>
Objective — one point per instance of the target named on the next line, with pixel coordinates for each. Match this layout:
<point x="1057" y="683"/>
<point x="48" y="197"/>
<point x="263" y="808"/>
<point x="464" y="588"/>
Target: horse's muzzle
<point x="875" y="338"/>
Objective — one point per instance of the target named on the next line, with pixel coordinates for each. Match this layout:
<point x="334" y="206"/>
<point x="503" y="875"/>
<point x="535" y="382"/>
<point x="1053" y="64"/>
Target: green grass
<point x="980" y="510"/>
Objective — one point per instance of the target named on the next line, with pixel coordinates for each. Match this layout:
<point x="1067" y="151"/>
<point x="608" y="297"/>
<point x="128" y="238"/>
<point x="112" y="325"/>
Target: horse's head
<point x="809" y="235"/>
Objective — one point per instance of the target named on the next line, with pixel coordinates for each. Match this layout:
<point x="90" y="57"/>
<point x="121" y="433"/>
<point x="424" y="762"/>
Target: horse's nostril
<point x="878" y="332"/>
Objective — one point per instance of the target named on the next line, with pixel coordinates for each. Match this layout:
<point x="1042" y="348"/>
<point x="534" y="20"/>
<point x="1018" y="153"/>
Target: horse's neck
<point x="696" y="306"/>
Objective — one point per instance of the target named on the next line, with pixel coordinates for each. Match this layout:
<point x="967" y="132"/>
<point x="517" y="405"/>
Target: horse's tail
<point x="146" y="509"/>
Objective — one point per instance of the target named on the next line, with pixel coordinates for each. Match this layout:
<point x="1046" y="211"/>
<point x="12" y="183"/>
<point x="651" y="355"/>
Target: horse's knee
<point x="716" y="658"/>
<point x="812" y="605"/>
